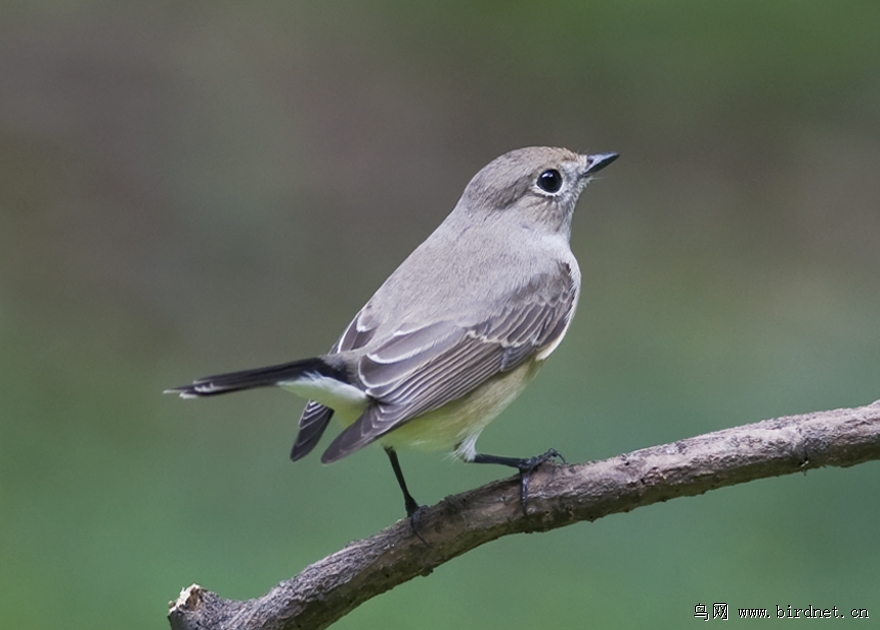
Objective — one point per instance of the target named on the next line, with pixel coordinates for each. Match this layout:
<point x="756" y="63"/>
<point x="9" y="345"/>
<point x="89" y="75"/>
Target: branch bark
<point x="558" y="496"/>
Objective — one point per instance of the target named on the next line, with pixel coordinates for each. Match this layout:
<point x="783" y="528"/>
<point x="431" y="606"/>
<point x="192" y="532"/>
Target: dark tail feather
<point x="259" y="377"/>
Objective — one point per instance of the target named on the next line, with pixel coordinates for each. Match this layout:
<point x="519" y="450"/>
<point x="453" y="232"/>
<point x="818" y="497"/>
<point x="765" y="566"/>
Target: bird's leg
<point x="525" y="465"/>
<point x="412" y="507"/>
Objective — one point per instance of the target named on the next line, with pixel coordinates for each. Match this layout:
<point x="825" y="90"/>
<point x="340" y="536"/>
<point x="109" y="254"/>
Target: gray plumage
<point x="475" y="308"/>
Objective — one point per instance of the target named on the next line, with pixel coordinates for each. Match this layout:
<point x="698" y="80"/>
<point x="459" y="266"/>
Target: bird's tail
<point x="259" y="377"/>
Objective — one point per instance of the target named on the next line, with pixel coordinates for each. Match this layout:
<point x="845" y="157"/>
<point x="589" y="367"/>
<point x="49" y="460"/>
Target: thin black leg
<point x="525" y="465"/>
<point x="408" y="501"/>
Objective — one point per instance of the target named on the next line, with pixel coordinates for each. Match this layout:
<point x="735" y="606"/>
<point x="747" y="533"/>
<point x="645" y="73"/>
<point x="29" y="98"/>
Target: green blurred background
<point x="188" y="188"/>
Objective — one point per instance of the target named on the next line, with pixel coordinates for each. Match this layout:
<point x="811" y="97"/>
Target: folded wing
<point x="417" y="370"/>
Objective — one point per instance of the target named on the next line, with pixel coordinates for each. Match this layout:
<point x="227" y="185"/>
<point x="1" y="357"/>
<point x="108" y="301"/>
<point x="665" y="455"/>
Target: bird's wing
<point x="417" y="370"/>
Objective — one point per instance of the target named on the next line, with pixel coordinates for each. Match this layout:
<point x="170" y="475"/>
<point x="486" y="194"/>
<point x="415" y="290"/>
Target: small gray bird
<point x="457" y="331"/>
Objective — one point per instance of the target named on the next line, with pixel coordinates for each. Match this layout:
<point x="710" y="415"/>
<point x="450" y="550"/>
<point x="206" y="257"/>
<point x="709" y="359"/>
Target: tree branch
<point x="558" y="496"/>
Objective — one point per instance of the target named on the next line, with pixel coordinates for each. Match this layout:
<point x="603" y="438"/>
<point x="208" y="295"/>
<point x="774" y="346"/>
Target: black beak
<point x="599" y="161"/>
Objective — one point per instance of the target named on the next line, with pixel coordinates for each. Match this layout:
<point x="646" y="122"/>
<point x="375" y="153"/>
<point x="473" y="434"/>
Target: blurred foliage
<point x="187" y="188"/>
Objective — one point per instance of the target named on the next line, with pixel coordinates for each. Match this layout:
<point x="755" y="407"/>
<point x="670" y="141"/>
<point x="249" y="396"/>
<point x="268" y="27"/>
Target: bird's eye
<point x="550" y="181"/>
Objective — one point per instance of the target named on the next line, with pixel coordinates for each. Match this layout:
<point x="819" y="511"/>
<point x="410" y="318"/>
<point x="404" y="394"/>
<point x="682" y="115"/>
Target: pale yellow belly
<point x="458" y="424"/>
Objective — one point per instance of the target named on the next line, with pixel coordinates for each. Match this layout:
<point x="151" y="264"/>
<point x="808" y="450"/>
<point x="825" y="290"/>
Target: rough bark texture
<point x="558" y="496"/>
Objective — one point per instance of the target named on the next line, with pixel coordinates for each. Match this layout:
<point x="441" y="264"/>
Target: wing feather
<point x="312" y="424"/>
<point x="420" y="370"/>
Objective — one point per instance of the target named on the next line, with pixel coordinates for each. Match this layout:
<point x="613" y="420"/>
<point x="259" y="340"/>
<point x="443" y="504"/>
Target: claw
<point x="415" y="518"/>
<point x="528" y="466"/>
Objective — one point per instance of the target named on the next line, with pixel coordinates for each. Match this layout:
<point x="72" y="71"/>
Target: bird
<point x="456" y="332"/>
